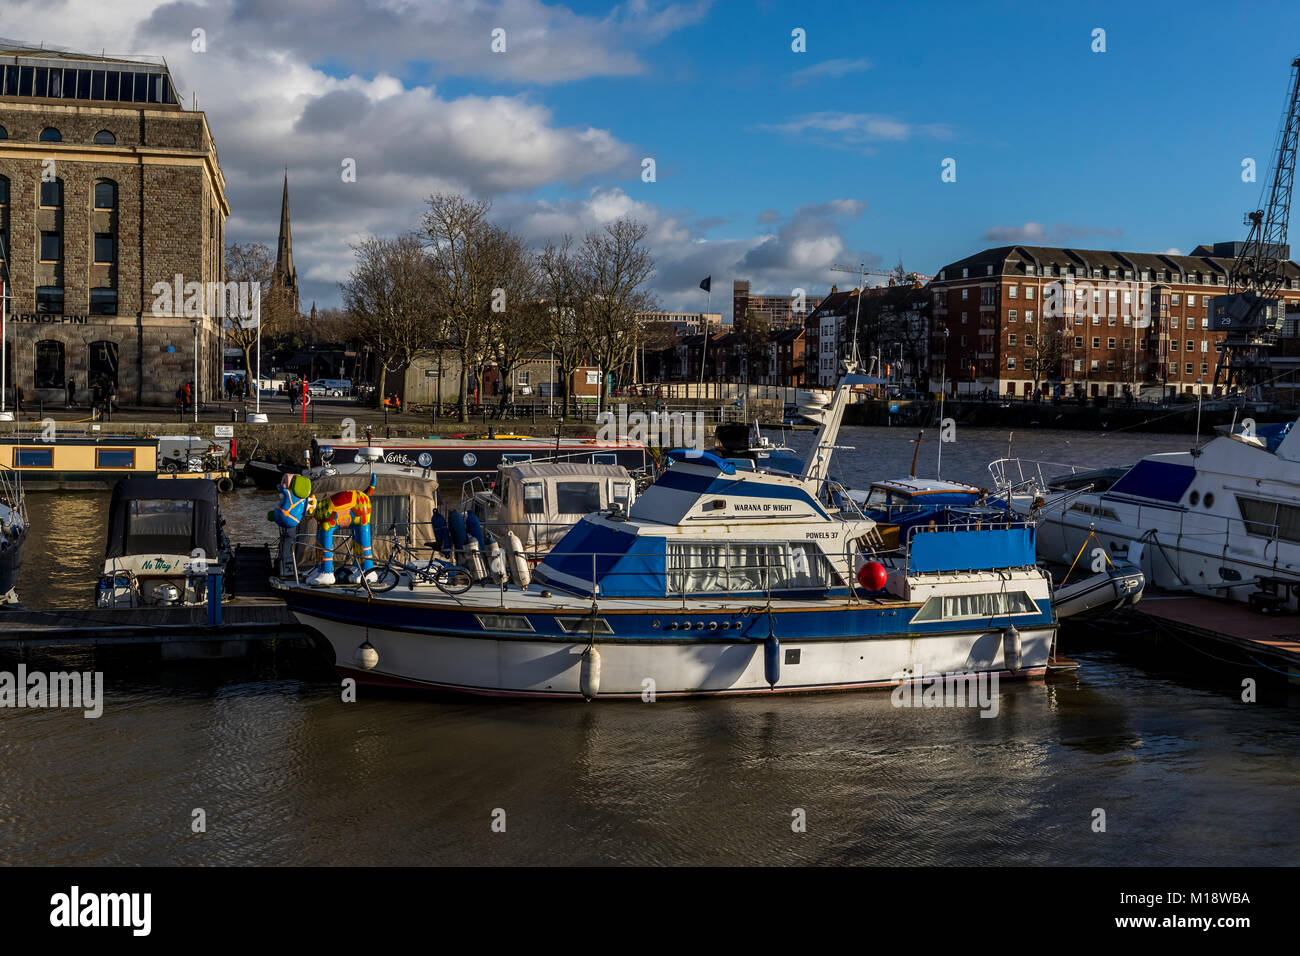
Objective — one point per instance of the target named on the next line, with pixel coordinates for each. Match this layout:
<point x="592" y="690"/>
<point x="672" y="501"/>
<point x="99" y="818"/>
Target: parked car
<point x="337" y="387"/>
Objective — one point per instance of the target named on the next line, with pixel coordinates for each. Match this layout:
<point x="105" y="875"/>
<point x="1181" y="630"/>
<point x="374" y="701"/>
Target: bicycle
<point x="447" y="577"/>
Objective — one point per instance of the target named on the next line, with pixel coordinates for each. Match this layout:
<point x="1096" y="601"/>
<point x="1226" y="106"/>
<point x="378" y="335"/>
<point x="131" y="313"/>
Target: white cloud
<point x="830" y="69"/>
<point x="856" y="130"/>
<point x="1036" y="234"/>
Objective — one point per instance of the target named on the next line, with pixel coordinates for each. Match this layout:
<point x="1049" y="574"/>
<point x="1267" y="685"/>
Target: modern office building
<point x="110" y="192"/>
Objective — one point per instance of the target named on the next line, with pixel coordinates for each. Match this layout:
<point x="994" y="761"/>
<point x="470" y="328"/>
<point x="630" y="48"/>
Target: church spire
<point x="285" y="278"/>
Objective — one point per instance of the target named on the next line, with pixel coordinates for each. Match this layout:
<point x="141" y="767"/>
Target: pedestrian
<point x="112" y="394"/>
<point x="18" y="396"/>
<point x="72" y="393"/>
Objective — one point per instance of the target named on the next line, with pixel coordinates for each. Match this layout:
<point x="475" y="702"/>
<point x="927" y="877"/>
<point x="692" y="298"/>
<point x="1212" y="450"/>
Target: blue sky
<point x="771" y="164"/>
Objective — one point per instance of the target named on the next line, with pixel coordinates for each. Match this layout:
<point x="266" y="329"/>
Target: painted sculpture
<point x="343" y="509"/>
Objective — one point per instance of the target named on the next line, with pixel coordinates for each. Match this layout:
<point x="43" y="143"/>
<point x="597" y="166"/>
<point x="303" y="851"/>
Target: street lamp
<point x="194" y="395"/>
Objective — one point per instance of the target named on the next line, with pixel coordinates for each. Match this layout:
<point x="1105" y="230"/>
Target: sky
<point x="770" y="163"/>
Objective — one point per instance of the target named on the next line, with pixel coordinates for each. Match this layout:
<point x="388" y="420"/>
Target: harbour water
<point x="285" y="772"/>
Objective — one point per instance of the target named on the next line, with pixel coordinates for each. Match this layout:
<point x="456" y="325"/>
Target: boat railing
<point x="1018" y="475"/>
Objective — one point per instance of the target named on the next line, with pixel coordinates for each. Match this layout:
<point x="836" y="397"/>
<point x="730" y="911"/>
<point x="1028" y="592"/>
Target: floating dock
<point x="1271" y="641"/>
<point x="256" y="616"/>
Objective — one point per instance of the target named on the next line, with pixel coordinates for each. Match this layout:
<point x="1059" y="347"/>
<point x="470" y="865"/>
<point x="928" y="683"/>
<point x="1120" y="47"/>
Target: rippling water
<point x="286" y="773"/>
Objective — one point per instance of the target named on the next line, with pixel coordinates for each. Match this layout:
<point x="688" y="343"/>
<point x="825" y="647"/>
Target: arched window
<point x="51" y="135"/>
<point x="105" y="138"/>
<point x="106" y="194"/>
<point x="4" y="133"/>
<point x="51" y="193"/>
<point x="102" y="366"/>
<point x="49" y="364"/>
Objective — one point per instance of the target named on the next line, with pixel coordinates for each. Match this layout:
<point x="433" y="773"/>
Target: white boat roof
<point x="926" y="486"/>
<point x="559" y="469"/>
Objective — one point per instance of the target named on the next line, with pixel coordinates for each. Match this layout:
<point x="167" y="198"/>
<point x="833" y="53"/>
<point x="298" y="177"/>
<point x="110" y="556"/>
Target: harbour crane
<point x="1250" y="313"/>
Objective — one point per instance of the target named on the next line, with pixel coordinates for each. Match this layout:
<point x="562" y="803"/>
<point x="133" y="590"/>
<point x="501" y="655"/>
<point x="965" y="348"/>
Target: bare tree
<point x="387" y="295"/>
<point x="516" y="319"/>
<point x="252" y="263"/>
<point x="614" y="264"/>
<point x="560" y="287"/>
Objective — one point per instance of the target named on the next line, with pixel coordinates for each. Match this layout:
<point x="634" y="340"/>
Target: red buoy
<point x="872" y="576"/>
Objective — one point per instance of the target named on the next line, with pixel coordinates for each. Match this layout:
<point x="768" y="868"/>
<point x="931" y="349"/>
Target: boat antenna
<point x="920" y="437"/>
<point x="1196" y="449"/>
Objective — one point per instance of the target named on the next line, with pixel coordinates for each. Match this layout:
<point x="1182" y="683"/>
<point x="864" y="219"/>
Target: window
<point x="700" y="567"/>
<point x="1173" y="345"/>
<point x="1013" y="291"/>
<point x="34" y="457"/>
<point x="1011" y="339"/>
<point x="1189" y="368"/>
<point x="1029" y="316"/>
<point x="102" y="365"/>
<point x="51" y="193"/>
<point x="390" y="510"/>
<point x="103" y="301"/>
<point x="49" y="362"/>
<point x="51" y="135"/>
<point x="1205" y="346"/>
<point x="1096" y="342"/>
<point x="1175" y="298"/>
<point x="4" y="191"/>
<point x="964" y="292"/>
<point x="1029" y="338"/>
<point x="105" y="195"/>
<point x="1265" y="518"/>
<point x="4" y="133"/>
<point x="991" y="604"/>
<point x="1078" y="341"/>
<point x="1011" y="361"/>
<point x="104" y="248"/>
<point x="105" y="138"/>
<point x="1011" y="315"/>
<point x="577" y="497"/>
<point x="1191" y="301"/>
<point x="114" y="457"/>
<point x="51" y="247"/>
<point x="1110" y="365"/>
<point x="1029" y="293"/>
<point x="159" y="526"/>
<point x="49" y="299"/>
<point x="1191" y="346"/>
<point x="1205" y="322"/>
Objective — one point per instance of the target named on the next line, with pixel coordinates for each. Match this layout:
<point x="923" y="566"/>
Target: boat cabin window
<point x="390" y="510"/>
<point x="622" y="494"/>
<point x="533" y="503"/>
<point x="34" y="458"/>
<point x="767" y="566"/>
<point x="160" y="526"/>
<point x="956" y="607"/>
<point x="577" y="497"/>
<point x="1267" y="519"/>
<point x="515" y="457"/>
<point x="604" y="458"/>
<point x="114" y="457"/>
<point x="877" y="500"/>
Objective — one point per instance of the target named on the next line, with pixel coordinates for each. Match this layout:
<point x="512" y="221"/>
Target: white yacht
<point x="1222" y="519"/>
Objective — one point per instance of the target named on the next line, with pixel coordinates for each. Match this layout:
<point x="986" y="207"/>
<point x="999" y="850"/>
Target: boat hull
<point x="632" y="667"/>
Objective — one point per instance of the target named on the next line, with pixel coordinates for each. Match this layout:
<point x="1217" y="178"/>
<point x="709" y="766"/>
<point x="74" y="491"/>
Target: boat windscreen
<point x="162" y="527"/>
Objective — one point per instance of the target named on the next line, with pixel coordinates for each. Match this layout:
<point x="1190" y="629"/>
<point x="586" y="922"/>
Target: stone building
<point x="110" y="193"/>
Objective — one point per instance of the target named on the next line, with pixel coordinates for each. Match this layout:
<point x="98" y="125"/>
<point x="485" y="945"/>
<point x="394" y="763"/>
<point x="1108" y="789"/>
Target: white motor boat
<point x="719" y="580"/>
<point x="1221" y="520"/>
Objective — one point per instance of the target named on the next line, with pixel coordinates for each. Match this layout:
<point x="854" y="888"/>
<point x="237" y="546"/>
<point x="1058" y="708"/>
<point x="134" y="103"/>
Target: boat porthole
<point x="713" y="625"/>
<point x="655" y="624"/>
<point x="699" y="625"/>
<point x="1195" y="497"/>
<point x="686" y="625"/>
<point x="1209" y="499"/>
<point x="672" y="626"/>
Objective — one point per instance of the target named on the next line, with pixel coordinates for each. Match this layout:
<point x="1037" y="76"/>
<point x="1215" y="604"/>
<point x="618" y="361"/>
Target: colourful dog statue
<point x="343" y="509"/>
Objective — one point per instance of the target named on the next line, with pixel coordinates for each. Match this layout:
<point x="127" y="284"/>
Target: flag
<point x="707" y="284"/>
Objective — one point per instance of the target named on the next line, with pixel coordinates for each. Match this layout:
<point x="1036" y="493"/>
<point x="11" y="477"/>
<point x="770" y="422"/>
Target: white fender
<point x="520" y="573"/>
<point x="497" y="563"/>
<point x="474" y="559"/>
<point x="589" y="673"/>
<point x="1011" y="649"/>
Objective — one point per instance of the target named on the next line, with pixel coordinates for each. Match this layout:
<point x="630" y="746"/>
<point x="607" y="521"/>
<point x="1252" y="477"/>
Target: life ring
<point x="225" y="485"/>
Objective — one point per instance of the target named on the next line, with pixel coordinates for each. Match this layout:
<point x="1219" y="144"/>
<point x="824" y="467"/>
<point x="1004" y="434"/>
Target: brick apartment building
<point x="1014" y="318"/>
<point x="107" y="187"/>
